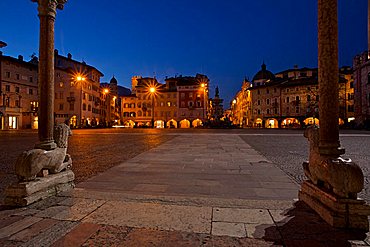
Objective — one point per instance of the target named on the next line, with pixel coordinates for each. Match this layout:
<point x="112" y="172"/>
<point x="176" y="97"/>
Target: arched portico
<point x="184" y="124"/>
<point x="258" y="123"/>
<point x="290" y="123"/>
<point x="159" y="124"/>
<point x="129" y="124"/>
<point x="197" y="123"/>
<point x="271" y="123"/>
<point x="172" y="124"/>
<point x="311" y="121"/>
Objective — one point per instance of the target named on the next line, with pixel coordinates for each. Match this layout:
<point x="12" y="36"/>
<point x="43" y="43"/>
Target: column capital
<point x="49" y="7"/>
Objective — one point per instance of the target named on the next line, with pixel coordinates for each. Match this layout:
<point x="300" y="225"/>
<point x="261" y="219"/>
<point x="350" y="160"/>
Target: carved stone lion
<point x="31" y="162"/>
<point x="342" y="176"/>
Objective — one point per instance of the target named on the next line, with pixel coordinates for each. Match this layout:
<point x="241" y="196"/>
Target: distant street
<point x="96" y="150"/>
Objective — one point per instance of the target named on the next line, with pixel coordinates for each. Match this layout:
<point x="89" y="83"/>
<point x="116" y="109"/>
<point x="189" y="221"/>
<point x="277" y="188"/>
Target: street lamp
<point x="152" y="91"/>
<point x="105" y="96"/>
<point x="79" y="78"/>
<point x="204" y="86"/>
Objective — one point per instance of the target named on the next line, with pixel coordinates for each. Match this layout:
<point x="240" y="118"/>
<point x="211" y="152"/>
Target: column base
<point x="47" y="145"/>
<point x="337" y="212"/>
<point x="25" y="193"/>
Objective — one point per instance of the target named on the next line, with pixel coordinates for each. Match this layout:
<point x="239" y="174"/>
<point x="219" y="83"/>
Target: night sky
<point x="224" y="39"/>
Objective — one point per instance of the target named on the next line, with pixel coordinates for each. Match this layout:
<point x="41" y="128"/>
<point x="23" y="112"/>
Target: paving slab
<point x="153" y="215"/>
<point x="213" y="166"/>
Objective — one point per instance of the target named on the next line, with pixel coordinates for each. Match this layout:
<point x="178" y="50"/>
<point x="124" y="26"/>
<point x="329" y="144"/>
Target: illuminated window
<point x="168" y="103"/>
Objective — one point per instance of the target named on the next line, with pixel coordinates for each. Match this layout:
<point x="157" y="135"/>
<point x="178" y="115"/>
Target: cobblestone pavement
<point x="64" y="220"/>
<point x="290" y="149"/>
<point x="92" y="151"/>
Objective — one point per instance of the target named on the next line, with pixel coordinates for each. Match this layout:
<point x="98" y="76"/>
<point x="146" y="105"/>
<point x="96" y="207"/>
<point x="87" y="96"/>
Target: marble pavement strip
<point x="192" y="183"/>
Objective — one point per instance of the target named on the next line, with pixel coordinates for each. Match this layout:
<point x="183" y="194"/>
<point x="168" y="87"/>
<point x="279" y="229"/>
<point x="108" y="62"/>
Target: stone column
<point x="47" y="12"/>
<point x="328" y="77"/>
<point x="368" y="28"/>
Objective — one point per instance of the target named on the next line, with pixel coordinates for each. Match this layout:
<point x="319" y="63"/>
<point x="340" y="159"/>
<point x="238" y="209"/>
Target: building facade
<point x="77" y="93"/>
<point x="181" y="102"/>
<point x="361" y="77"/>
<point x="18" y="93"/>
<point x="288" y="99"/>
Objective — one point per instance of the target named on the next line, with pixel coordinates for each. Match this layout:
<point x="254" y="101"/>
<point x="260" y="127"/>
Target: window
<point x="308" y="88"/>
<point x="190" y="95"/>
<point x="258" y="111"/>
<point x="308" y="97"/>
<point x="268" y="101"/>
<point x="182" y="95"/>
<point x="84" y="95"/>
<point x="7" y="88"/>
<point x="287" y="90"/>
<point x="317" y="98"/>
<point x="297" y="110"/>
<point x="258" y="92"/>
<point x="351" y="96"/>
<point x="61" y="95"/>
<point x="267" y="91"/>
<point x="30" y="79"/>
<point x="258" y="102"/>
<point x="268" y="111"/>
<point x="132" y="105"/>
<point x="17" y="103"/>
<point x="287" y="109"/>
<point x="182" y="104"/>
<point x="297" y="98"/>
<point x="17" y="76"/>
<point x="30" y="91"/>
<point x="17" y="89"/>
<point x="89" y="108"/>
<point x="61" y="106"/>
<point x="368" y="78"/>
<point x="190" y="103"/>
<point x="139" y="113"/>
<point x="199" y="104"/>
<point x="7" y="74"/>
<point x="287" y="99"/>
<point x="71" y="106"/>
<point x="168" y="103"/>
<point x="84" y="107"/>
<point x="351" y="84"/>
<point x="351" y="108"/>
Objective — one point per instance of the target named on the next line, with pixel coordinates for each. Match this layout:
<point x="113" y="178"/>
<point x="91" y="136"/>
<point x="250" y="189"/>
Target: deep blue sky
<point x="224" y="39"/>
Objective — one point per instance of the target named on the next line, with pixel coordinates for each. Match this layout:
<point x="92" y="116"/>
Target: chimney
<point x="69" y="55"/>
<point x="20" y="57"/>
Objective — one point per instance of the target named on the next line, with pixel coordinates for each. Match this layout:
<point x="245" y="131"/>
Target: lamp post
<point x="80" y="79"/>
<point x="152" y="91"/>
<point x="204" y="87"/>
<point x="105" y="97"/>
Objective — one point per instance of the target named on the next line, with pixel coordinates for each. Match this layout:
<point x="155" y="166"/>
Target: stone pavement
<point x="194" y="190"/>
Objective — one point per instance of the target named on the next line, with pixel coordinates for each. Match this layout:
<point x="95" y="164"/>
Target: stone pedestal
<point x="25" y="193"/>
<point x="337" y="212"/>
